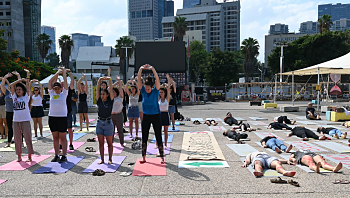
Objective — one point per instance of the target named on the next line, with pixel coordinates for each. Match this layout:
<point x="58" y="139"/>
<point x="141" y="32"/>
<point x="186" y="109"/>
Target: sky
<point x="108" y="18"/>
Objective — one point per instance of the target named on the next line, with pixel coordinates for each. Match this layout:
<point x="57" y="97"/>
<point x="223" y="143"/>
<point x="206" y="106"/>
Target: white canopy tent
<point x="45" y="82"/>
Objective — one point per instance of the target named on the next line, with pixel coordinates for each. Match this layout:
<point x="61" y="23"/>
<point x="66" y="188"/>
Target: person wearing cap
<point x="58" y="114"/>
<point x="311" y="113"/>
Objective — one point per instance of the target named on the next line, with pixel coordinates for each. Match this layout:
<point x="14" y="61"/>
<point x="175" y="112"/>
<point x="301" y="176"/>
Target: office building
<point x="83" y="40"/>
<point x="169" y="8"/>
<point x="51" y="31"/>
<point x="308" y="27"/>
<point x="219" y="23"/>
<point x="337" y="11"/>
<point x="341" y="25"/>
<point x="278" y="29"/>
<point x="190" y="3"/>
<point x="21" y="21"/>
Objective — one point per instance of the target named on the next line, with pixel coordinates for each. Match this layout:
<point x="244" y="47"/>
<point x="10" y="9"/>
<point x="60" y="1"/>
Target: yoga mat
<point x="3" y="140"/>
<point x="77" y="130"/>
<point x="257" y="123"/>
<point x="108" y="168"/>
<point x="257" y="118"/>
<point x="153" y="151"/>
<point x="170" y="129"/>
<point x="170" y="138"/>
<point x="2" y="181"/>
<point x="264" y="134"/>
<point x="55" y="167"/>
<point x="216" y="119"/>
<point x="134" y="129"/>
<point x="76" y="145"/>
<point x="12" y="147"/>
<point x="224" y="123"/>
<point x="93" y="125"/>
<point x="239" y="119"/>
<point x="217" y="128"/>
<point x="301" y="118"/>
<point x="203" y="164"/>
<point x="306" y="122"/>
<point x="133" y="135"/>
<point x="305" y="168"/>
<point x="44" y="135"/>
<point x="269" y="149"/>
<point x="302" y="145"/>
<point x="239" y="139"/>
<point x="76" y="136"/>
<point x="336" y="158"/>
<point x="126" y="124"/>
<point x="20" y="166"/>
<point x="335" y="147"/>
<point x="200" y="146"/>
<point x="325" y="122"/>
<point x="337" y="127"/>
<point x="242" y="149"/>
<point x="177" y="123"/>
<point x="267" y="172"/>
<point x="152" y="167"/>
<point x="199" y="119"/>
<point x="90" y="120"/>
<point x="117" y="149"/>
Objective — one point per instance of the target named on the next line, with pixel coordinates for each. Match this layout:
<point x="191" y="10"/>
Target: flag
<point x="172" y="39"/>
<point x="188" y="48"/>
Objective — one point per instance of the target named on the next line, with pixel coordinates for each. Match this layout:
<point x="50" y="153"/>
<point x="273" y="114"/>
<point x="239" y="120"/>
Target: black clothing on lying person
<point x="301" y="153"/>
<point x="231" y="121"/>
<point x="326" y="130"/>
<point x="279" y="126"/>
<point x="282" y="119"/>
<point x="236" y="136"/>
<point x="303" y="132"/>
<point x="246" y="126"/>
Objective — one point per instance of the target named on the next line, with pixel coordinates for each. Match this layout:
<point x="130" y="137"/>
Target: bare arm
<point x="86" y="85"/>
<point x="168" y="93"/>
<point x="30" y="86"/>
<point x="65" y="83"/>
<point x="4" y="80"/>
<point x="120" y="88"/>
<point x="41" y="90"/>
<point x="157" y="82"/>
<point x="98" y="89"/>
<point x="263" y="144"/>
<point x="53" y="79"/>
<point x="139" y="82"/>
<point x="13" y="85"/>
<point x="71" y="85"/>
<point x="126" y="88"/>
<point x="110" y="88"/>
<point x="78" y="84"/>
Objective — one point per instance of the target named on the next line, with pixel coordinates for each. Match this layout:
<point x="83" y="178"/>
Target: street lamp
<point x="281" y="44"/>
<point x="127" y="62"/>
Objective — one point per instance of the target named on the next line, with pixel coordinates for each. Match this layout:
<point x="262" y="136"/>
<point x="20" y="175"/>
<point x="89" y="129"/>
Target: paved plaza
<point x="195" y="182"/>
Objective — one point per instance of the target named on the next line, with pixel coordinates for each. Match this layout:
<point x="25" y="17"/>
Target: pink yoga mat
<point x="2" y="181"/>
<point x="126" y="124"/>
<point x="134" y="130"/>
<point x="90" y="120"/>
<point x="76" y="145"/>
<point x="153" y="151"/>
<point x="152" y="167"/>
<point x="133" y="135"/>
<point x="117" y="149"/>
<point x="20" y="166"/>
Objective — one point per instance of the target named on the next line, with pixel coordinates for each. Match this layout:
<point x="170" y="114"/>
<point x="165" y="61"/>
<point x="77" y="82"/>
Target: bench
<point x="274" y="105"/>
<point x="258" y="103"/>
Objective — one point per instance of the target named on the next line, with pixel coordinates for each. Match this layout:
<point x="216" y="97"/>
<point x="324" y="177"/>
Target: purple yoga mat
<point x="117" y="149"/>
<point x="55" y="167"/>
<point x="152" y="151"/>
<point x="108" y="168"/>
<point x="133" y="135"/>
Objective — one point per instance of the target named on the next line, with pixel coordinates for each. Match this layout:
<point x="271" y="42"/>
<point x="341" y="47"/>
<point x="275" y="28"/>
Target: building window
<point x="7" y="3"/>
<point x="2" y="24"/>
<point x="9" y="33"/>
<point x="1" y="3"/>
<point x="1" y="14"/>
<point x="8" y="13"/>
<point x="8" y="23"/>
<point x="2" y="34"/>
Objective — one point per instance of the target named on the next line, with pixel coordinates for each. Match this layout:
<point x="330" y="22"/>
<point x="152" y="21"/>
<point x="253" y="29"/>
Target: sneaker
<point x="55" y="159"/>
<point x="63" y="159"/>
<point x="71" y="147"/>
<point x="173" y="128"/>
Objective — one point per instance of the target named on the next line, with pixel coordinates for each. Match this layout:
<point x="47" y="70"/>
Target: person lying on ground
<point x="305" y="133"/>
<point x="336" y="133"/>
<point x="235" y="135"/>
<point x="311" y="113"/>
<point x="262" y="160"/>
<point x="211" y="122"/>
<point x="279" y="126"/>
<point x="245" y="127"/>
<point x="231" y="120"/>
<point x="284" y="120"/>
<point x="275" y="144"/>
<point x="346" y="124"/>
<point x="313" y="161"/>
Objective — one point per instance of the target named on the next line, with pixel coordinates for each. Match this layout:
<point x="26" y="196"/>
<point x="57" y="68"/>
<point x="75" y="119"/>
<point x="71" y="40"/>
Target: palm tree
<point x="250" y="49"/>
<point x="180" y="28"/>
<point x="43" y="42"/>
<point x="66" y="43"/>
<point x="120" y="50"/>
<point x="325" y="23"/>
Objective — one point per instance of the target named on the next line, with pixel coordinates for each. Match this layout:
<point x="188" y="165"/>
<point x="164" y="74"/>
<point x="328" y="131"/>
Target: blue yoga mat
<point x="76" y="136"/>
<point x="170" y="138"/>
<point x="170" y="129"/>
<point x="55" y="167"/>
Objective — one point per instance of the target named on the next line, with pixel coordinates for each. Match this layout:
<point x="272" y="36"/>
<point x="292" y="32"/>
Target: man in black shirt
<point x="311" y="113"/>
<point x="234" y="135"/>
<point x="231" y="120"/>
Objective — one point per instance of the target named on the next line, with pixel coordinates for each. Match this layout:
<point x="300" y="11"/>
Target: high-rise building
<point x="83" y="40"/>
<point x="21" y="21"/>
<point x="169" y="8"/>
<point x="278" y="29"/>
<point x="219" y="23"/>
<point x="337" y="11"/>
<point x="341" y="25"/>
<point x="51" y="31"/>
<point x="308" y="27"/>
<point x="190" y="3"/>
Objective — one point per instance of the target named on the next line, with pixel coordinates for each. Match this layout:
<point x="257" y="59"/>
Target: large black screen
<point x="166" y="57"/>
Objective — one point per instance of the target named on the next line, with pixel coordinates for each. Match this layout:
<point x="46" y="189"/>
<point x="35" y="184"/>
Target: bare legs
<point x="131" y="126"/>
<point x="86" y="115"/>
<point x="109" y="140"/>
<point x="172" y="117"/>
<point x="137" y="126"/>
<point x="57" y="138"/>
<point x="279" y="168"/>
<point x="165" y="136"/>
<point x="38" y="121"/>
<point x="317" y="162"/>
<point x="3" y="129"/>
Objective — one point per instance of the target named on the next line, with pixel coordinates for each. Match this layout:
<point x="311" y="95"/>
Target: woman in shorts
<point x="172" y="102"/>
<point x="37" y="111"/>
<point x="82" y="106"/>
<point x="133" y="109"/>
<point x="164" y="97"/>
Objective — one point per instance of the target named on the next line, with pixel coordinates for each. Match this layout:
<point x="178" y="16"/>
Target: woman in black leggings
<point x="305" y="133"/>
<point x="83" y="109"/>
<point x="151" y="110"/>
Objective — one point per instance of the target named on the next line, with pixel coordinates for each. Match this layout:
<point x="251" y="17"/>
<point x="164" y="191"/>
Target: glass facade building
<point x="337" y="11"/>
<point x="190" y="3"/>
<point x="51" y="31"/>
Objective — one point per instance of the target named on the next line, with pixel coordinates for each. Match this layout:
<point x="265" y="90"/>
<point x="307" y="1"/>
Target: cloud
<point x="111" y="30"/>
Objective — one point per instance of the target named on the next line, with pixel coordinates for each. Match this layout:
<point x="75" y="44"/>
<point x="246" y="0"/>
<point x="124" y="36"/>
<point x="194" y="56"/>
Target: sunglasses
<point x="36" y="89"/>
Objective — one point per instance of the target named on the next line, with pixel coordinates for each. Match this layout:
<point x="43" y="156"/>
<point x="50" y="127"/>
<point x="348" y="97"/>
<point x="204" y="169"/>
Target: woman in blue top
<point x="151" y="111"/>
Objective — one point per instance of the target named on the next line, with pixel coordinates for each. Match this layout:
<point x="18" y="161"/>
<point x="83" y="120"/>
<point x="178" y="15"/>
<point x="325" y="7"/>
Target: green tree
<point x="223" y="67"/>
<point x="324" y="23"/>
<point x="66" y="44"/>
<point x="250" y="48"/>
<point x="310" y="50"/>
<point x="198" y="60"/>
<point x="53" y="60"/>
<point x="121" y="52"/>
<point x="180" y="28"/>
<point x="43" y="42"/>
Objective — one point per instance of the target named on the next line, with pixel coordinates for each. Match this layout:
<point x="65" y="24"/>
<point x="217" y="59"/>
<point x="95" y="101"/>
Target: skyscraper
<point x="32" y="26"/>
<point x="308" y="27"/>
<point x="169" y="8"/>
<point x="337" y="11"/>
<point x="190" y="3"/>
<point x="83" y="40"/>
<point x="51" y="31"/>
<point x="278" y="29"/>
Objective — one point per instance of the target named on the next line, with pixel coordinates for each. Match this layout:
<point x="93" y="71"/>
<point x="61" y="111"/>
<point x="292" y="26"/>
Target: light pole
<point x="127" y="63"/>
<point x="282" y="44"/>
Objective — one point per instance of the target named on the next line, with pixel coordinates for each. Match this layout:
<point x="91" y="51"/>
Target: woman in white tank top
<point x="133" y="110"/>
<point x="37" y="111"/>
<point x="164" y="98"/>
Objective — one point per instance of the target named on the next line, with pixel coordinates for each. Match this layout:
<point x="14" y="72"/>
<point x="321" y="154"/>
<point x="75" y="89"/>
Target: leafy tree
<point x="250" y="49"/>
<point x="198" y="60"/>
<point x="310" y="50"/>
<point x="324" y="23"/>
<point x="66" y="44"/>
<point x="180" y="28"/>
<point x="121" y="52"/>
<point x="43" y="42"/>
<point x="223" y="67"/>
<point x="53" y="60"/>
